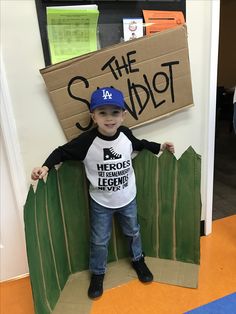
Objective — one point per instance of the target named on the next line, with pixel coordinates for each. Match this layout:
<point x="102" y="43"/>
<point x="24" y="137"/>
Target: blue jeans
<point x="100" y="233"/>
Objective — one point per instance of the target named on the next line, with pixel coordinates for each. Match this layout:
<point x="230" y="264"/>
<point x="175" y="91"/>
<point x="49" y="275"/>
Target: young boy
<point x="106" y="153"/>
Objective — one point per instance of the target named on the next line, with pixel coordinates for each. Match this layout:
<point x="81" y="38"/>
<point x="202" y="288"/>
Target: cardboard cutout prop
<point x="57" y="229"/>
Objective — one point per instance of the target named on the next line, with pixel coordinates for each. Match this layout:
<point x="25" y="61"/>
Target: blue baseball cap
<point x="107" y="96"/>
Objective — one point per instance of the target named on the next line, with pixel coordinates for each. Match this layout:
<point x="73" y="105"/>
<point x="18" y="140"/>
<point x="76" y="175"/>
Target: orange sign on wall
<point x="156" y="21"/>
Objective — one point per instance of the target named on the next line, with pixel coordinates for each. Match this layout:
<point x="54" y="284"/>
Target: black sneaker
<point x="144" y="274"/>
<point x="95" y="289"/>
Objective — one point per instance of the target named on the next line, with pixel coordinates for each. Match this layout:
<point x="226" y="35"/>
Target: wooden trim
<point x="23" y="276"/>
<point x="11" y="143"/>
<point x="215" y="21"/>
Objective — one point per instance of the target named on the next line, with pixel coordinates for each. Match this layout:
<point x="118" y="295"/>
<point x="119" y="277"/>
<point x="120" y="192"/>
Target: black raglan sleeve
<point x="139" y="145"/>
<point x="73" y="150"/>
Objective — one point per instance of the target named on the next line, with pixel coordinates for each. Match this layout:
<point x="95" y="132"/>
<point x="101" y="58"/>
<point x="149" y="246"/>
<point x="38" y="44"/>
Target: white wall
<point x="12" y="245"/>
<point x="38" y="128"/>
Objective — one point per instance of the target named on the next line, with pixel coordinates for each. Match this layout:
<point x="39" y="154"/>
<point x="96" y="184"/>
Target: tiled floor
<point x="16" y="297"/>
<point x="217" y="278"/>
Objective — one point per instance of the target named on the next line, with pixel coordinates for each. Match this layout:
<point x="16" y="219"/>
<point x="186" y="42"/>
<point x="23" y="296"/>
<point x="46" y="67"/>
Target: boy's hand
<point x="169" y="146"/>
<point x="39" y="172"/>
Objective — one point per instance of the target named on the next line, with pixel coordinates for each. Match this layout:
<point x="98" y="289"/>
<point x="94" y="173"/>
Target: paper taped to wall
<point x="72" y="31"/>
<point x="156" y="21"/>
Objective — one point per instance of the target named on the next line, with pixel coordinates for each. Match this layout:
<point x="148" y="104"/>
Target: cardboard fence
<point x="57" y="230"/>
<point x="153" y="72"/>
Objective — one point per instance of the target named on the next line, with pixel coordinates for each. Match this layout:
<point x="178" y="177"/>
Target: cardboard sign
<point x="153" y="72"/>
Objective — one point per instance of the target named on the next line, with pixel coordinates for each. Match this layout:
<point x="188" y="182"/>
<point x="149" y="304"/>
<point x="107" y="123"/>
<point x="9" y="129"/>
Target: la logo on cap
<point x="106" y="94"/>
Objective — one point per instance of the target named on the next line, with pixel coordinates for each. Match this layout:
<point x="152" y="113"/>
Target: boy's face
<point x="108" y="118"/>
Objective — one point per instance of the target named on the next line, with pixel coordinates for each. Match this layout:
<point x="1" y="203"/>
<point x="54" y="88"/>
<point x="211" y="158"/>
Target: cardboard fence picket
<point x="153" y="72"/>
